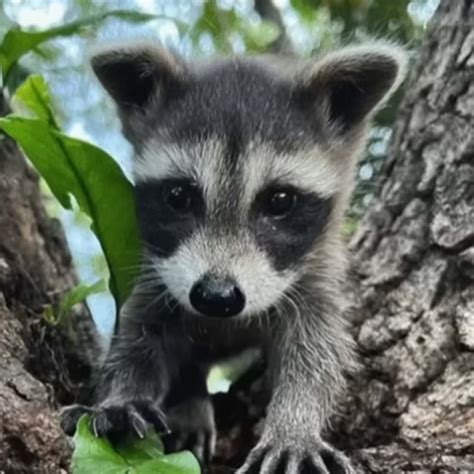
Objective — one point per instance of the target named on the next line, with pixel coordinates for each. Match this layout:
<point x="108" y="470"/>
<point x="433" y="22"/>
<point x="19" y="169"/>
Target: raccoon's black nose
<point x="217" y="297"/>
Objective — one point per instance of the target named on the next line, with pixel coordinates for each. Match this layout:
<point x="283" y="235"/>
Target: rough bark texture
<point x="412" y="406"/>
<point x="38" y="368"/>
<point x="413" y="262"/>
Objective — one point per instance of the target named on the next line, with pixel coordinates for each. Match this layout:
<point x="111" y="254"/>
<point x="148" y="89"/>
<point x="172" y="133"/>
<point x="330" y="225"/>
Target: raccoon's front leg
<point x="132" y="384"/>
<point x="310" y="358"/>
<point x="190" y="414"/>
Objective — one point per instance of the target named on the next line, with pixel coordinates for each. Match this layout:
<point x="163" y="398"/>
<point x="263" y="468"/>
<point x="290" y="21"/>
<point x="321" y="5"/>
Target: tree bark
<point x="412" y="406"/>
<point x="413" y="268"/>
<point x="39" y="365"/>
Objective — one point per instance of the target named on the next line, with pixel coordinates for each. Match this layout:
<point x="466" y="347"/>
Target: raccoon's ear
<point x="351" y="83"/>
<point x="134" y="74"/>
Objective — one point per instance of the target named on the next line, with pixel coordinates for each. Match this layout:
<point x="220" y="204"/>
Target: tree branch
<point x="269" y="12"/>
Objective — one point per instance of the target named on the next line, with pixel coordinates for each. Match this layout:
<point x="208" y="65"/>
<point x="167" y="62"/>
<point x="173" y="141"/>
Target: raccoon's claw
<point x="116" y="421"/>
<point x="317" y="459"/>
<point x="69" y="416"/>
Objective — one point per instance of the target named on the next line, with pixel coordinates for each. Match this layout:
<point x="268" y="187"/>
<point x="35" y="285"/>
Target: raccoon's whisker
<point x="299" y="298"/>
<point x="150" y="247"/>
<point x="148" y="263"/>
<point x="152" y="254"/>
<point x="294" y="305"/>
<point x="147" y="291"/>
<point x="144" y="261"/>
<point x="149" y="270"/>
<point x="148" y="277"/>
<point x="147" y="274"/>
<point x="172" y="308"/>
<point x="150" y="283"/>
<point x="280" y="311"/>
<point x="157" y="299"/>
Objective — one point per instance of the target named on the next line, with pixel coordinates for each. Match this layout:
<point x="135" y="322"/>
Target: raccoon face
<point x="240" y="168"/>
<point x="227" y="238"/>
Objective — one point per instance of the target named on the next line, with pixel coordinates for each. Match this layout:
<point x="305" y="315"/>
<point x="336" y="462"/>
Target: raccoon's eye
<point x="280" y="203"/>
<point x="180" y="197"/>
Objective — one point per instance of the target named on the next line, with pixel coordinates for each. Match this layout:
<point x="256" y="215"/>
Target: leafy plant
<point x="17" y="42"/>
<point x="56" y="315"/>
<point x="139" y="456"/>
<point x="76" y="169"/>
<point x="384" y="18"/>
<point x="222" y="23"/>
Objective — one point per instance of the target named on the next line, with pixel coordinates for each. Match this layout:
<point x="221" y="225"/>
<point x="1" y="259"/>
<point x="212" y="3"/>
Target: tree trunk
<point x="413" y="263"/>
<point x="38" y="366"/>
<point x="412" y="406"/>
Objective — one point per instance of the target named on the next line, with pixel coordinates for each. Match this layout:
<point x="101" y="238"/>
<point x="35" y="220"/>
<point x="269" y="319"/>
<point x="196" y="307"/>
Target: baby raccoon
<point x="243" y="169"/>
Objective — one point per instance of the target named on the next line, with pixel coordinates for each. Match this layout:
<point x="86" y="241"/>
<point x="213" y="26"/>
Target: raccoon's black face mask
<point x="242" y="170"/>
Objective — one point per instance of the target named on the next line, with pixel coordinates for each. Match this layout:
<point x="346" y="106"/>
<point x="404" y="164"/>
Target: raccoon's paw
<point x="192" y="428"/>
<point x="314" y="458"/>
<point x="116" y="421"/>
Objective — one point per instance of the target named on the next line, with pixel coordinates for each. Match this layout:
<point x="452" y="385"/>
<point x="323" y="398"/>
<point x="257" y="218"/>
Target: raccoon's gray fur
<point x="243" y="170"/>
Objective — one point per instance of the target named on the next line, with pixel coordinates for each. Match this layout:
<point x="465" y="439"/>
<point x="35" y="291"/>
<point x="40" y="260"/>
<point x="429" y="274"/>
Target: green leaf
<point x="79" y="294"/>
<point x="72" y="167"/>
<point x="140" y="450"/>
<point x="92" y="454"/>
<point x="218" y="23"/>
<point x="55" y="315"/>
<point x="17" y="42"/>
<point x="259" y="36"/>
<point x="49" y="315"/>
<point x="307" y="9"/>
<point x="34" y="95"/>
<point x="176" y="463"/>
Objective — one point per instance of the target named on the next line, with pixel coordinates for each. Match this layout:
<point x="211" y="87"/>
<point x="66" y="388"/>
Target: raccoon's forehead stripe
<point x="202" y="161"/>
<point x="159" y="161"/>
<point x="310" y="169"/>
